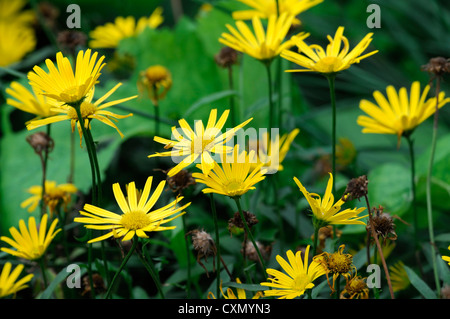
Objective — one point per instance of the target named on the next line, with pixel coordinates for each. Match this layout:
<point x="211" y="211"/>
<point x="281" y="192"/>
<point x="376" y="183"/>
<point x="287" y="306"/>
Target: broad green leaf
<point x="419" y="284"/>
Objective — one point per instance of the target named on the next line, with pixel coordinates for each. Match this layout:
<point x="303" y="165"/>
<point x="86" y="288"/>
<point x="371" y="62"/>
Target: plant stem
<point x="247" y="229"/>
<point x="216" y="226"/>
<point x="233" y="109"/>
<point x="271" y="104"/>
<point x="148" y="264"/>
<point x="188" y="259"/>
<point x="380" y="251"/>
<point x="316" y="239"/>
<point x="428" y="190"/>
<point x="44" y="160"/>
<point x="331" y="79"/>
<point x="122" y="265"/>
<point x="413" y="188"/>
<point x="44" y="275"/>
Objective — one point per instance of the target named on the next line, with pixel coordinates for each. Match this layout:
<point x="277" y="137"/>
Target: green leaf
<point x="60" y="277"/>
<point x="419" y="284"/>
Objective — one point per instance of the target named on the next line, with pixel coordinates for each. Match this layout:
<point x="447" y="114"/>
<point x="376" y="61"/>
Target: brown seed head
<point x="437" y="66"/>
<point x="356" y="188"/>
<point x="70" y="39"/>
<point x="226" y="57"/>
<point x="40" y="142"/>
<point x="236" y="221"/>
<point x="383" y="224"/>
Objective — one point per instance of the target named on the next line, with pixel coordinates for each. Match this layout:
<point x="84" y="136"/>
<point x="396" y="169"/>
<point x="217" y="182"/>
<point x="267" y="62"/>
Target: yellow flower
<point x="234" y="177"/>
<point x="157" y="81"/>
<point x="62" y="83"/>
<point x="261" y="45"/>
<point x="447" y="258"/>
<point x="89" y="111"/>
<point x="231" y="295"/>
<point x="31" y="243"/>
<point x="299" y="276"/>
<point x="17" y="41"/>
<point x="397" y="114"/>
<point x="30" y="101"/>
<point x="200" y="143"/>
<point x="110" y="34"/>
<point x="11" y="12"/>
<point x="399" y="277"/>
<point x="138" y="218"/>
<point x="355" y="288"/>
<point x="266" y="8"/>
<point x="329" y="61"/>
<point x="326" y="211"/>
<point x="272" y="155"/>
<point x="8" y="283"/>
<point x="54" y="196"/>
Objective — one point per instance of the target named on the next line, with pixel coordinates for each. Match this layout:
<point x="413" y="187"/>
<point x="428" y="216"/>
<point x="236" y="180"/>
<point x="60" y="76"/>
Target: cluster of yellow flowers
<point x="66" y="93"/>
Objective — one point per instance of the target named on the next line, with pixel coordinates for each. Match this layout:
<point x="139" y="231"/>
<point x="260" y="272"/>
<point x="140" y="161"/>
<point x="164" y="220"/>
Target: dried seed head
<point x="324" y="233"/>
<point x="226" y="57"/>
<point x="70" y="39"/>
<point x="40" y="142"/>
<point x="204" y="245"/>
<point x="236" y="221"/>
<point x="445" y="292"/>
<point x="180" y="181"/>
<point x="356" y="188"/>
<point x="355" y="288"/>
<point x="383" y="224"/>
<point x="437" y="66"/>
<point x="98" y="284"/>
<point x="251" y="253"/>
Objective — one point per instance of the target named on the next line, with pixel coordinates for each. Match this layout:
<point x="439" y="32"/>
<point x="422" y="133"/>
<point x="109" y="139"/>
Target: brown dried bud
<point x="49" y="12"/>
<point x="226" y="57"/>
<point x="383" y="224"/>
<point x="324" y="233"/>
<point x="204" y="245"/>
<point x="437" y="66"/>
<point x="40" y="141"/>
<point x="356" y="188"/>
<point x="251" y="253"/>
<point x="182" y="180"/>
<point x="98" y="284"/>
<point x="70" y="39"/>
<point x="236" y="221"/>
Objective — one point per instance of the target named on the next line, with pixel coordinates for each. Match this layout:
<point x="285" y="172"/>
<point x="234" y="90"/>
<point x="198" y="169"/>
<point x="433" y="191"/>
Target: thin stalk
<point x="148" y="264"/>
<point x="44" y="275"/>
<point x="413" y="187"/>
<point x="233" y="110"/>
<point x="316" y="239"/>
<point x="188" y="258"/>
<point x="428" y="190"/>
<point x="44" y="161"/>
<point x="216" y="226"/>
<point x="122" y="265"/>
<point x="247" y="229"/>
<point x="271" y="104"/>
<point x="331" y="80"/>
<point x="380" y="251"/>
<point x="156" y="107"/>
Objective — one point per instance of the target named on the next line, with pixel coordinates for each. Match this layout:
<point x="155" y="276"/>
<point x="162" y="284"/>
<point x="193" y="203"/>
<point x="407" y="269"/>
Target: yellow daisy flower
<point x="234" y="177"/>
<point x="54" y="196"/>
<point x="447" y="258"/>
<point x="399" y="277"/>
<point x="89" y="111"/>
<point x="266" y="8"/>
<point x="398" y="114"/>
<point x="261" y="45"/>
<point x="138" y="218"/>
<point x="8" y="280"/>
<point x="11" y="12"/>
<point x="17" y="41"/>
<point x="231" y="295"/>
<point x="62" y="83"/>
<point x="326" y="211"/>
<point x="32" y="242"/>
<point x="200" y="143"/>
<point x="110" y="34"/>
<point x="329" y="61"/>
<point x="299" y="276"/>
<point x="272" y="155"/>
<point x="30" y="101"/>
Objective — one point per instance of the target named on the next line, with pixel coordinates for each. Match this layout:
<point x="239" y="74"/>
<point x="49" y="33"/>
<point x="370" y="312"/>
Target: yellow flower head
<point x="272" y="155"/>
<point x="198" y="144"/>
<point x="399" y="276"/>
<point x="17" y="41"/>
<point x="137" y="216"/>
<point x="355" y="287"/>
<point x="326" y="211"/>
<point x="261" y="45"/>
<point x="54" y="196"/>
<point x="110" y="34"/>
<point x="398" y="113"/>
<point x="231" y="295"/>
<point x="234" y="177"/>
<point x="32" y="242"/>
<point x="329" y="61"/>
<point x="266" y="8"/>
<point x="447" y="258"/>
<point x="157" y="81"/>
<point x="11" y="12"/>
<point x="61" y="83"/>
<point x="30" y="101"/>
<point x="89" y="111"/>
<point x="8" y="283"/>
<point x="299" y="276"/>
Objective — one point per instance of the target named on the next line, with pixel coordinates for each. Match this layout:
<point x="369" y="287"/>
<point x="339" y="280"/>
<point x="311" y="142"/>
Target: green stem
<point x="428" y="190"/>
<point x="148" y="264"/>
<point x="122" y="265"/>
<point x="90" y="139"/>
<point x="44" y="160"/>
<point x="413" y="187"/>
<point x="316" y="239"/>
<point x="44" y="274"/>
<point x="271" y="104"/>
<point x="216" y="226"/>
<point x="188" y="258"/>
<point x="331" y="80"/>
<point x="247" y="229"/>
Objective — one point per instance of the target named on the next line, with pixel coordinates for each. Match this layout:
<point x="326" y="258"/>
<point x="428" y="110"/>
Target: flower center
<point x="233" y="187"/>
<point x="301" y="282"/>
<point x="135" y="220"/>
<point x="340" y="263"/>
<point x="329" y="64"/>
<point x="156" y="73"/>
<point x="86" y="109"/>
<point x="202" y="144"/>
